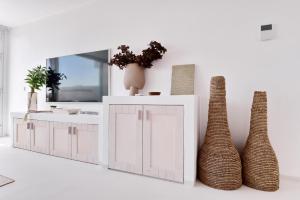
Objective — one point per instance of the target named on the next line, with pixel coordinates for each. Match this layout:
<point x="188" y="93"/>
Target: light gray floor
<point x="42" y="177"/>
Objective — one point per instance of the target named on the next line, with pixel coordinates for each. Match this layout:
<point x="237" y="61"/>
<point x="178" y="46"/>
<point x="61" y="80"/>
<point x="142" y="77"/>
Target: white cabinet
<point x="32" y="135"/>
<point x="67" y="138"/>
<point x="74" y="141"/>
<point x="147" y="140"/>
<point x="125" y="138"/>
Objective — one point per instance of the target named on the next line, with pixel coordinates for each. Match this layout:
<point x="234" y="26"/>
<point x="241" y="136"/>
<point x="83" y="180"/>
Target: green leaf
<point x="36" y="77"/>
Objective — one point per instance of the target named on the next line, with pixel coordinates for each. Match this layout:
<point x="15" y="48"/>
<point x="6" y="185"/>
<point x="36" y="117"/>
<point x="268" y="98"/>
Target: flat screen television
<point x="83" y="77"/>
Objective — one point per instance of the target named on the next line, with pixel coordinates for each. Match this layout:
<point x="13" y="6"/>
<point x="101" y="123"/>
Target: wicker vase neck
<point x="217" y="88"/>
<point x="217" y="114"/>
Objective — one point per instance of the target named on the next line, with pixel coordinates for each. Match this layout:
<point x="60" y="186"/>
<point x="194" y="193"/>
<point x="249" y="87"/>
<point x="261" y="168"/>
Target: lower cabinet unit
<point x="148" y="140"/>
<point x="32" y="135"/>
<point x="74" y="141"/>
<point x="68" y="140"/>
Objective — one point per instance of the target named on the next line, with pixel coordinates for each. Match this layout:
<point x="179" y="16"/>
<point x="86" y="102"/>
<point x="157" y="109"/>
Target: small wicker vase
<point x="260" y="165"/>
<point x="219" y="164"/>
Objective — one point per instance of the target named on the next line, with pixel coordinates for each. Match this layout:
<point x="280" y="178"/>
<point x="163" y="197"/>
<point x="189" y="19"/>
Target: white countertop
<point x="61" y="117"/>
<point x="151" y="100"/>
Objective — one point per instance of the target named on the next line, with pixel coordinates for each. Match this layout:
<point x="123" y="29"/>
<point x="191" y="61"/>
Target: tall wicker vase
<point x="260" y="165"/>
<point x="219" y="164"/>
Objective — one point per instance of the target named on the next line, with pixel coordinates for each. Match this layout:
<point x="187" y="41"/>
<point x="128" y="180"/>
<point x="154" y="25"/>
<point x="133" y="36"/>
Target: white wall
<point x="220" y="37"/>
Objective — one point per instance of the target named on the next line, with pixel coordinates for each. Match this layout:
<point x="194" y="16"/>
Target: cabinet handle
<point x="70" y="130"/>
<point x="17" y="136"/>
<point x="53" y="142"/>
<point x="76" y="133"/>
<point x="33" y="137"/>
<point x="139" y="114"/>
<point x="28" y="125"/>
<point x="147" y="115"/>
<point x="32" y="126"/>
<point x="74" y="130"/>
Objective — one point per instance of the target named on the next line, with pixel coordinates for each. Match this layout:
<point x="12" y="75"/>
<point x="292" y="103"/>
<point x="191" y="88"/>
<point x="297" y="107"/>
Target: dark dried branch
<point x="125" y="57"/>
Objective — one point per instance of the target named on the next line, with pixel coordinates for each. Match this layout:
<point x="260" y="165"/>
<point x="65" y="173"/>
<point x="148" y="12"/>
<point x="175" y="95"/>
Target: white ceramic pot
<point x="134" y="78"/>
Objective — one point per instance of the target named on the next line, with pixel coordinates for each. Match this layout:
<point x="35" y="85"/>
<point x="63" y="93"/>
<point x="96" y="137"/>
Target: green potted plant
<point x="134" y="77"/>
<point x="36" y="78"/>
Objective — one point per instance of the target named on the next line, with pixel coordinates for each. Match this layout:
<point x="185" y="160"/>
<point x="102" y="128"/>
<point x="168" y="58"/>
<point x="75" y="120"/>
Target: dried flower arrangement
<point x="125" y="57"/>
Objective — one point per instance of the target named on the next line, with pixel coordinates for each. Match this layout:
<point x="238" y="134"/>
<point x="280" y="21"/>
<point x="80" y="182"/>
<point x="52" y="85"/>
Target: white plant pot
<point x="134" y="78"/>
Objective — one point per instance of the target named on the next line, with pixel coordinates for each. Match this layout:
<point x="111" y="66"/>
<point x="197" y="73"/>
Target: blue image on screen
<point x="86" y="77"/>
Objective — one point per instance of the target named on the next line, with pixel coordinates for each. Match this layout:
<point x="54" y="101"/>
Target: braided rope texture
<point x="260" y="165"/>
<point x="219" y="163"/>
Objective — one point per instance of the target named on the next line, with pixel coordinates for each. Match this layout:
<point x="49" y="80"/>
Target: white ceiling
<point x="18" y="12"/>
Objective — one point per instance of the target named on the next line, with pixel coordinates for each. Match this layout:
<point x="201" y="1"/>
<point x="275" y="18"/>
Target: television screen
<point x="78" y="78"/>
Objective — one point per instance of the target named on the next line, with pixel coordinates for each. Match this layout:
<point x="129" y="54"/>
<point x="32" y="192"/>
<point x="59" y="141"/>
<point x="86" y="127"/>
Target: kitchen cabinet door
<point x="40" y="136"/>
<point x="163" y="142"/>
<point x="85" y="143"/>
<point x="60" y="139"/>
<point x="125" y="138"/>
<point x="22" y="134"/>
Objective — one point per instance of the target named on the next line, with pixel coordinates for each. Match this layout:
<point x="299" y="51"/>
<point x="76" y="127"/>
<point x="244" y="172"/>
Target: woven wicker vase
<point x="219" y="164"/>
<point x="260" y="165"/>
